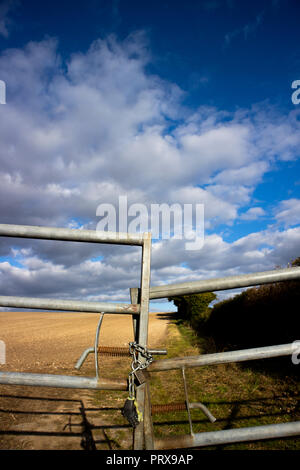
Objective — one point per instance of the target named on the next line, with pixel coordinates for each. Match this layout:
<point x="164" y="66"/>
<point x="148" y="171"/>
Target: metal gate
<point x="139" y="310"/>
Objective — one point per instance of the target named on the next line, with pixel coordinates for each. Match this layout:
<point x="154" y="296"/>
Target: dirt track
<point x="47" y="418"/>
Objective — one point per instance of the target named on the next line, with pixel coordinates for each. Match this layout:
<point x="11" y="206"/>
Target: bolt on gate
<point x="139" y="309"/>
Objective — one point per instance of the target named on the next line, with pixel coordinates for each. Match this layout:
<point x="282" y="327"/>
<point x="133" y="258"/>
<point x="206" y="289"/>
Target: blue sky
<point x="228" y="53"/>
<point x="161" y="101"/>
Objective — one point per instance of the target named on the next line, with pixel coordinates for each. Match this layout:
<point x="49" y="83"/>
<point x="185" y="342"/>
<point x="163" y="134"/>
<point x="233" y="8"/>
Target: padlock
<point x="131" y="412"/>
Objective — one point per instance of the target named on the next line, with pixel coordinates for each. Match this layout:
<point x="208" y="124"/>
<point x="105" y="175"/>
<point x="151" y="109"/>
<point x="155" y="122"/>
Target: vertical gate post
<point x="134" y="297"/>
<point x="145" y="290"/>
<point x="142" y="333"/>
<point x="148" y="424"/>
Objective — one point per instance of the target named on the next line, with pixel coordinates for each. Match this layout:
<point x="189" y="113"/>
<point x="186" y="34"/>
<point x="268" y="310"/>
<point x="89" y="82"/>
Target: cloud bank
<point x="84" y="131"/>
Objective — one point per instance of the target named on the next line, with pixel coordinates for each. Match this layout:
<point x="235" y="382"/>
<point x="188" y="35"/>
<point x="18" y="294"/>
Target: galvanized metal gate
<point x="139" y="310"/>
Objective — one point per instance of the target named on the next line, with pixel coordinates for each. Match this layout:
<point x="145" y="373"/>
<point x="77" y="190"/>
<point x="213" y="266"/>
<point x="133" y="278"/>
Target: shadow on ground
<point x="27" y="414"/>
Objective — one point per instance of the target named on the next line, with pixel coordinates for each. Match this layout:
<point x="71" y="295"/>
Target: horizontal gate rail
<point x="75" y="235"/>
<point x="229" y="436"/>
<point x="61" y="381"/>
<point x="182" y="406"/>
<point x="224" y="357"/>
<point x="138" y="310"/>
<point x="224" y="283"/>
<point x="68" y="305"/>
<point x="68" y="234"/>
<point x="112" y="351"/>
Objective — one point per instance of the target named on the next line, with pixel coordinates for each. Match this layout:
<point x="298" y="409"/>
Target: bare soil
<point x="42" y="418"/>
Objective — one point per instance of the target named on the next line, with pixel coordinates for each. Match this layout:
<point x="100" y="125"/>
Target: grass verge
<point x="237" y="395"/>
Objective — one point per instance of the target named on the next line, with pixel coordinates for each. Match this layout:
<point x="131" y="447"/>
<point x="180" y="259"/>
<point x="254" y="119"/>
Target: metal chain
<point x="136" y="364"/>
